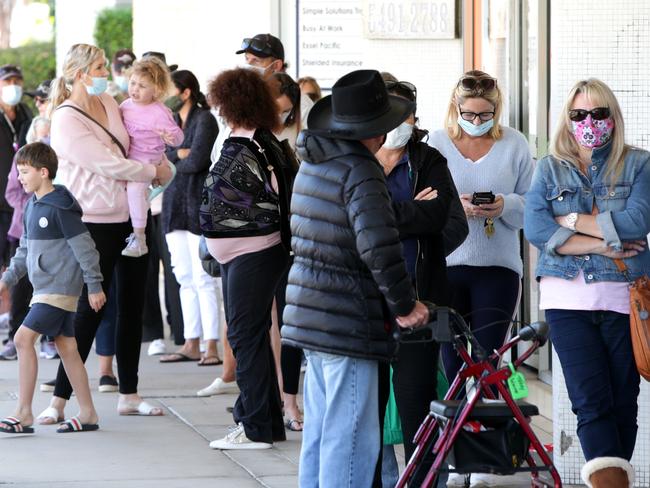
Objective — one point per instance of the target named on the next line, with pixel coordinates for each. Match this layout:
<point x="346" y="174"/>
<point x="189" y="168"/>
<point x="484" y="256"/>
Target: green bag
<point x="392" y="425"/>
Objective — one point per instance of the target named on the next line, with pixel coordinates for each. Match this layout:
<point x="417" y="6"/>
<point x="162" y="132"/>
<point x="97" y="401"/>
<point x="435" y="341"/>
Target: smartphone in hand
<point x="482" y="197"/>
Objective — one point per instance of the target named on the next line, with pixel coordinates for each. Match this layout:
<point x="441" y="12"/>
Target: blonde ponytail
<point x="59" y="93"/>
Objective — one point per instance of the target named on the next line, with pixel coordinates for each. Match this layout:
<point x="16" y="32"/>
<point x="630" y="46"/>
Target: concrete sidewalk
<point x="141" y="452"/>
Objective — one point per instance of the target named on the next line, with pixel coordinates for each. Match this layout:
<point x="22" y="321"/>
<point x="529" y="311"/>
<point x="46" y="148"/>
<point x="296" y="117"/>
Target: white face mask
<point x="261" y="70"/>
<point x="11" y="94"/>
<point x="399" y="136"/>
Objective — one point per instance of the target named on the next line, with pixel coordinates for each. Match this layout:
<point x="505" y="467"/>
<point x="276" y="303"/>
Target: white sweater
<point x="505" y="170"/>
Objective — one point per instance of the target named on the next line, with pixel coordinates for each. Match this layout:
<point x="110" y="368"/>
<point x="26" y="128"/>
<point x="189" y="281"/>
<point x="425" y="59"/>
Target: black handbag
<point x="210" y="265"/>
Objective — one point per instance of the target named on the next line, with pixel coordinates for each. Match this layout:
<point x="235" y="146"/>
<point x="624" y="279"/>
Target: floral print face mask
<point x="592" y="133"/>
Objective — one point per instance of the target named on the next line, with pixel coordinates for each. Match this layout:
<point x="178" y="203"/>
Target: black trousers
<point x="290" y="357"/>
<point x="415" y="379"/>
<point x="487" y="297"/>
<point x="249" y="284"/>
<point x="152" y="323"/>
<point x="172" y="293"/>
<point x="130" y="275"/>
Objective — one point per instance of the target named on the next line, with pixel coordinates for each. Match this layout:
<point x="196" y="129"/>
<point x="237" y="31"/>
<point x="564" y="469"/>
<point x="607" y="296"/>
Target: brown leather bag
<point x="639" y="319"/>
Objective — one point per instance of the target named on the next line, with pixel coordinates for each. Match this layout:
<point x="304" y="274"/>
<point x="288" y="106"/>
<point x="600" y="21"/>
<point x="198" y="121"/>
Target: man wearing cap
<point x="348" y="284"/>
<point x="15" y="119"/>
<point x="265" y="53"/>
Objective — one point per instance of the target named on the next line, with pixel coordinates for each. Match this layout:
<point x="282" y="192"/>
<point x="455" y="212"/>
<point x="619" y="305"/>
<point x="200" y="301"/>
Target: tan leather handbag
<point x="639" y="319"/>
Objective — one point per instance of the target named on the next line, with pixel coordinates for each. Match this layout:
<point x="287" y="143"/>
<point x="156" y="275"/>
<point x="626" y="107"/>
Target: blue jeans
<point x="341" y="434"/>
<point x="595" y="350"/>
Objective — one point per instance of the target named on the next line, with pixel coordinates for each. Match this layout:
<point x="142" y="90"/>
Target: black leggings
<point x="249" y="284"/>
<point x="483" y="295"/>
<point x="130" y="274"/>
<point x="290" y="356"/>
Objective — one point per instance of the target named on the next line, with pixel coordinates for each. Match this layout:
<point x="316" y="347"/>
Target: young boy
<point x="58" y="254"/>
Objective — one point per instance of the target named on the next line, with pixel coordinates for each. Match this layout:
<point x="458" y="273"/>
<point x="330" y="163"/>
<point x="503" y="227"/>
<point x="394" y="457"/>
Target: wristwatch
<point x="571" y="220"/>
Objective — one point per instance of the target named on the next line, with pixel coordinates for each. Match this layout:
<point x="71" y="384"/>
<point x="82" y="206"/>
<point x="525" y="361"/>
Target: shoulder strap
<point x="110" y="134"/>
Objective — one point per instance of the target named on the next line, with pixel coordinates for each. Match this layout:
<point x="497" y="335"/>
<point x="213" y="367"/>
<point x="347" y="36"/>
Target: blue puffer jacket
<point x="558" y="188"/>
<point x="348" y="278"/>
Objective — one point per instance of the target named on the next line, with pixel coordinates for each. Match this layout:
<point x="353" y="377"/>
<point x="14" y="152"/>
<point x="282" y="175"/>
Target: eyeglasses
<point x="403" y="86"/>
<point x="599" y="113"/>
<point x="258" y="45"/>
<point x="471" y="83"/>
<point x="470" y="116"/>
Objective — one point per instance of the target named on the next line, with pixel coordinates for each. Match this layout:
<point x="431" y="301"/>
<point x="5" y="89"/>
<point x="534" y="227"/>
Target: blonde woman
<point x="90" y="139"/>
<point x="483" y="156"/>
<point x="588" y="205"/>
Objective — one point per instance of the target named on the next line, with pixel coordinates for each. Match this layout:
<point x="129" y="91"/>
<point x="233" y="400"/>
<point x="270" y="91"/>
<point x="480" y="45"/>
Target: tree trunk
<point x="6" y="8"/>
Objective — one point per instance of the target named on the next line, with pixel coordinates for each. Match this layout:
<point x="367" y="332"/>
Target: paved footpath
<point x="139" y="452"/>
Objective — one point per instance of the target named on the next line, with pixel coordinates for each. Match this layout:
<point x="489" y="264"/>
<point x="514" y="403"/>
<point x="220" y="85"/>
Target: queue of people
<point x="333" y="250"/>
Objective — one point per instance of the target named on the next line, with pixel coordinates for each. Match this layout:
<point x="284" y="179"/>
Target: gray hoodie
<point x="56" y="249"/>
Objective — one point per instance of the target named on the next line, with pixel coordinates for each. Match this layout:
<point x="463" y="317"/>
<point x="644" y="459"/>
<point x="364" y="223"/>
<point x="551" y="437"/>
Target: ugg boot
<point x="608" y="472"/>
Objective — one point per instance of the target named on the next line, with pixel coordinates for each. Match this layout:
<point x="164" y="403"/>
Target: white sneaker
<point x="218" y="387"/>
<point x="157" y="347"/>
<point x="487" y="480"/>
<point x="237" y="440"/>
<point x="457" y="479"/>
<point x="135" y="247"/>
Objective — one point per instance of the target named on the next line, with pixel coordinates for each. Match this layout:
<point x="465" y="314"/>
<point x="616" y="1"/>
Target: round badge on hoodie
<point x="43" y="222"/>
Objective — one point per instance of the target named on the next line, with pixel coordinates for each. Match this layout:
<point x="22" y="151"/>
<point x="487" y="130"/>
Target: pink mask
<point x="593" y="133"/>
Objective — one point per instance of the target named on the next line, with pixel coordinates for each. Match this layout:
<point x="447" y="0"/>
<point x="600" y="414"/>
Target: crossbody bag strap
<point x="110" y="134"/>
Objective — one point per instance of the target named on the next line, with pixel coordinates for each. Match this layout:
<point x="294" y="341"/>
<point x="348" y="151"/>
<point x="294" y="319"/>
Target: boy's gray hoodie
<point x="56" y="249"/>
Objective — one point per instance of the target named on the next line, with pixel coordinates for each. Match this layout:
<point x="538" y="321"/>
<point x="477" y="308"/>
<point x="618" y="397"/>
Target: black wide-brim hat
<point x="358" y="108"/>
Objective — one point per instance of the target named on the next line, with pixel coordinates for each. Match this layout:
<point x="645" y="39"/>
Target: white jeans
<point x="200" y="293"/>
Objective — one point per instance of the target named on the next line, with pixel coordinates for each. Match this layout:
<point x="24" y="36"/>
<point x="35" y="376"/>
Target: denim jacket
<point x="558" y="188"/>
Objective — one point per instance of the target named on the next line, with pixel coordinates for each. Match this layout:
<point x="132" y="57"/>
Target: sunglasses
<point x="258" y="45"/>
<point x="599" y="113"/>
<point x="470" y="116"/>
<point x="403" y="86"/>
<point x="471" y="83"/>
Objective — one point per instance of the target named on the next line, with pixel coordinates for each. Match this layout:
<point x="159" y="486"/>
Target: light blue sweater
<point x="507" y="170"/>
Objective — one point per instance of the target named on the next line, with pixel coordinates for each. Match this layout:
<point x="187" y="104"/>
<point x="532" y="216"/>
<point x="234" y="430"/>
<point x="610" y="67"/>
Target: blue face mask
<point x="475" y="130"/>
<point x="98" y="87"/>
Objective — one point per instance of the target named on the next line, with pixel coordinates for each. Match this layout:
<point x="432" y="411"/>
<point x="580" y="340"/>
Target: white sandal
<point x="50" y="414"/>
<point x="143" y="409"/>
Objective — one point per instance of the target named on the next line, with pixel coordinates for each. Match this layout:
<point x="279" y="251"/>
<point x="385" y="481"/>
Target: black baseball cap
<point x="41" y="91"/>
<point x="263" y="46"/>
<point x="10" y="71"/>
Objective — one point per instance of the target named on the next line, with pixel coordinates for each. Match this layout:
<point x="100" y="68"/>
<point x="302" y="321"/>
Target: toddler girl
<point x="150" y="126"/>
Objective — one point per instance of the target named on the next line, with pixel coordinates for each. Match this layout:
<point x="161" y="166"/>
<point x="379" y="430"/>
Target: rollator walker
<point x="470" y="429"/>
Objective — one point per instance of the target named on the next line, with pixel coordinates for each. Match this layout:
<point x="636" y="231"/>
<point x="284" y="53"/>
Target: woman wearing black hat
<point x="244" y="217"/>
<point x="349" y="281"/>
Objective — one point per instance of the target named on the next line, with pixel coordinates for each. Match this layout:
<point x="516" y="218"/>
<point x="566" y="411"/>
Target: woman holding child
<point x="91" y="141"/>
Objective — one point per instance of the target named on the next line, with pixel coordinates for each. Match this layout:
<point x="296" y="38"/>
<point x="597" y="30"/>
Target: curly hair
<point x="156" y="72"/>
<point x="244" y="99"/>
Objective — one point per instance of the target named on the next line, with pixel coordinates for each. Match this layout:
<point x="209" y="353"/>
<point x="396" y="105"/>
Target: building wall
<point x="75" y="23"/>
<point x="610" y="41"/>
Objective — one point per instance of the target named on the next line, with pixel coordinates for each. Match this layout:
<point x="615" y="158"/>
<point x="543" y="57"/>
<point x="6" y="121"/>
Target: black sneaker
<point x="48" y="385"/>
<point x="108" y="384"/>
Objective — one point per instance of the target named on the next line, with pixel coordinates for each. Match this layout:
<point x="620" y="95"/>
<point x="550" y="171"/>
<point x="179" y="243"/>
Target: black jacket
<point x="21" y="126"/>
<point x="439" y="225"/>
<point x="348" y="278"/>
<point x="183" y="197"/>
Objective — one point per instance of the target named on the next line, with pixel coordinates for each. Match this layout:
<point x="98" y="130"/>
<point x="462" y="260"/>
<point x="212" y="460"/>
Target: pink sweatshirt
<point x="91" y="164"/>
<point x="145" y="125"/>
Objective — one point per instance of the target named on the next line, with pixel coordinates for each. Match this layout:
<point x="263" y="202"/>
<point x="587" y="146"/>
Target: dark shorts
<point x="48" y="320"/>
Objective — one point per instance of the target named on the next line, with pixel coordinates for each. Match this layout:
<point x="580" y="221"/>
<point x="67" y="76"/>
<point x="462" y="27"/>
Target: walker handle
<point x="537" y="331"/>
